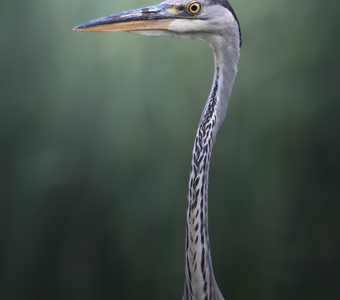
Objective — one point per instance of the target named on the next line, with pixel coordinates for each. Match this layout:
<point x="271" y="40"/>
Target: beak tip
<point x="78" y="28"/>
<point x="86" y="26"/>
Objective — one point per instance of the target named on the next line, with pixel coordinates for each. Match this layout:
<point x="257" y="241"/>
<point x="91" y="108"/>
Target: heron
<point x="215" y="23"/>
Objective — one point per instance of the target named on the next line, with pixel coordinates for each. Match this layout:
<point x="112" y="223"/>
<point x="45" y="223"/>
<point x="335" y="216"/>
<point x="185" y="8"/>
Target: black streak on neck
<point x="211" y="105"/>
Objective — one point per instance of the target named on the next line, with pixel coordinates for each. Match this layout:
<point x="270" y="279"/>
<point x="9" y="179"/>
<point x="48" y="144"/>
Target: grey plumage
<point x="215" y="23"/>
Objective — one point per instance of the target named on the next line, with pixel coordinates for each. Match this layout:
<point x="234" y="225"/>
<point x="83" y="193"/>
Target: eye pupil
<point x="194" y="8"/>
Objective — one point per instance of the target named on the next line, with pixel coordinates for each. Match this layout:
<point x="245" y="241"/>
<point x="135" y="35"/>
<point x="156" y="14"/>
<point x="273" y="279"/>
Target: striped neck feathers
<point x="200" y="283"/>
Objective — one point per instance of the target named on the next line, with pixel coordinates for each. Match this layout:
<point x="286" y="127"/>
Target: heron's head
<point x="201" y="19"/>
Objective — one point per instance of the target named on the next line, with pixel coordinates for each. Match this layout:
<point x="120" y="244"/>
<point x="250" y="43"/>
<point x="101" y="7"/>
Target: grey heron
<point x="215" y="23"/>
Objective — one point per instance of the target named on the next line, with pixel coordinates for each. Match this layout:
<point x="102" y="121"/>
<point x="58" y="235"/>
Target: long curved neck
<point x="200" y="283"/>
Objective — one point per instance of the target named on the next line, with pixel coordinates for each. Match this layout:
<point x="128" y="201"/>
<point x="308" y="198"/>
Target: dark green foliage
<point x="96" y="134"/>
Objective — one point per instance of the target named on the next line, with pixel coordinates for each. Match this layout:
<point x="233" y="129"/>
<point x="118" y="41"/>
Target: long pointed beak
<point x="156" y="17"/>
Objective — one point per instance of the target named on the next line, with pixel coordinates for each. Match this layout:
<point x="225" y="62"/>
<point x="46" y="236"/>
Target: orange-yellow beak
<point x="157" y="17"/>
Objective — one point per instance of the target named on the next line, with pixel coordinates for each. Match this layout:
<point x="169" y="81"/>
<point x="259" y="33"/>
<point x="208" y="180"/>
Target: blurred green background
<point x="96" y="132"/>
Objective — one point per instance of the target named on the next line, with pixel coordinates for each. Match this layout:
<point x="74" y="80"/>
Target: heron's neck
<point x="200" y="282"/>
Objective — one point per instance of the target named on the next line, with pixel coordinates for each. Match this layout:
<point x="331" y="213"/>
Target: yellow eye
<point x="194" y="8"/>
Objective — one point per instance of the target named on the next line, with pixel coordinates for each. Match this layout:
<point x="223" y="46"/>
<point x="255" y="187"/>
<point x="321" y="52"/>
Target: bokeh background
<point x="96" y="132"/>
